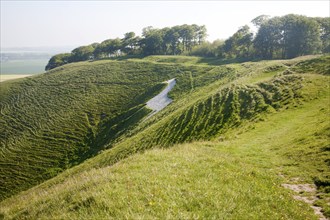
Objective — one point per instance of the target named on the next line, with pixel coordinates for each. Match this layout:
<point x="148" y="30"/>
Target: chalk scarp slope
<point x="56" y="120"/>
<point x="275" y="130"/>
<point x="237" y="133"/>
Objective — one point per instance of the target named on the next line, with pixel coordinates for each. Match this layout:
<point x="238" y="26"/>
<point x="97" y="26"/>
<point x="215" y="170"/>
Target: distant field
<point x="15" y="67"/>
<point x="12" y="76"/>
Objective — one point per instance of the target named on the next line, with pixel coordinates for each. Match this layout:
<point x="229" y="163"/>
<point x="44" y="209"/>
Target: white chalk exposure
<point x="161" y="100"/>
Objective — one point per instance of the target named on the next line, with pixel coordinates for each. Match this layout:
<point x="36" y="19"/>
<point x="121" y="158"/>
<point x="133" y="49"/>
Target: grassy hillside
<point x="253" y="114"/>
<point x="53" y="121"/>
<point x="235" y="175"/>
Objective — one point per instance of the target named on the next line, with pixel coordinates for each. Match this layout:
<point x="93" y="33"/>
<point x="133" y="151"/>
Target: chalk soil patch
<point x="161" y="100"/>
<point x="306" y="188"/>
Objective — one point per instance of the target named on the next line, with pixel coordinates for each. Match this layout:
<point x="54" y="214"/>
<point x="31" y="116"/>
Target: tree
<point x="324" y="24"/>
<point x="267" y="42"/>
<point x="171" y="40"/>
<point x="152" y="43"/>
<point x="58" y="60"/>
<point x="238" y="45"/>
<point x="82" y="53"/>
<point x="201" y="33"/>
<point x="287" y="37"/>
<point x="244" y="41"/>
<point x="186" y="33"/>
<point x="258" y="21"/>
<point x="301" y="36"/>
<point x="100" y="51"/>
<point x="94" y="45"/>
<point x="130" y="43"/>
<point x="108" y="48"/>
<point x="207" y="49"/>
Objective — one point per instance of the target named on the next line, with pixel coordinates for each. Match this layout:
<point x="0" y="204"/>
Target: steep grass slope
<point x="209" y="111"/>
<point x="49" y="122"/>
<point x="280" y="136"/>
<point x="210" y="103"/>
<point x="53" y="121"/>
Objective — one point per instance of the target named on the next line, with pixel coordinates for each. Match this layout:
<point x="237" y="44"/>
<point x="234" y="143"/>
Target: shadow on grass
<point x="121" y="58"/>
<point x="221" y="61"/>
<point x="213" y="61"/>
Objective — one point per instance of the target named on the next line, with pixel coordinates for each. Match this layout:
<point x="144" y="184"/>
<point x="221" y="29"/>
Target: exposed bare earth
<point x="161" y="100"/>
<point x="4" y="77"/>
<point x="309" y="199"/>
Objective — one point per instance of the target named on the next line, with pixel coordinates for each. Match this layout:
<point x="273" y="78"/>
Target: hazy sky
<point x="63" y="23"/>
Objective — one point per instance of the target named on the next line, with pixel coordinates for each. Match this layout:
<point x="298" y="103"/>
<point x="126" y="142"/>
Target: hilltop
<point x="232" y="136"/>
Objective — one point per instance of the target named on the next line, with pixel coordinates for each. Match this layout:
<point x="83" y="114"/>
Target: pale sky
<point x="62" y="23"/>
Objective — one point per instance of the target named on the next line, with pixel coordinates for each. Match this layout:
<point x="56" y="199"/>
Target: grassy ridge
<point x="236" y="176"/>
<point x="227" y="108"/>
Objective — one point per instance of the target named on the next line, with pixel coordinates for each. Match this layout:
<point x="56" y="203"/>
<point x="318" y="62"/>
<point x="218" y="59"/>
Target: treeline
<point x="283" y="37"/>
<point x="170" y="40"/>
<point x="291" y="36"/>
<point x="276" y="38"/>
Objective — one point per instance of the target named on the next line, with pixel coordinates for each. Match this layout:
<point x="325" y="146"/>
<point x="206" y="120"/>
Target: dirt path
<point x="161" y="100"/>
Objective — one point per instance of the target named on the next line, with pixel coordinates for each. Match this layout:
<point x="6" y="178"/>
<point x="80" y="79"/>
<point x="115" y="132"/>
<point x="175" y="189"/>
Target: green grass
<point x="190" y="181"/>
<point x="53" y="121"/>
<point x="233" y="178"/>
<point x="56" y="120"/>
<point x="253" y="114"/>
